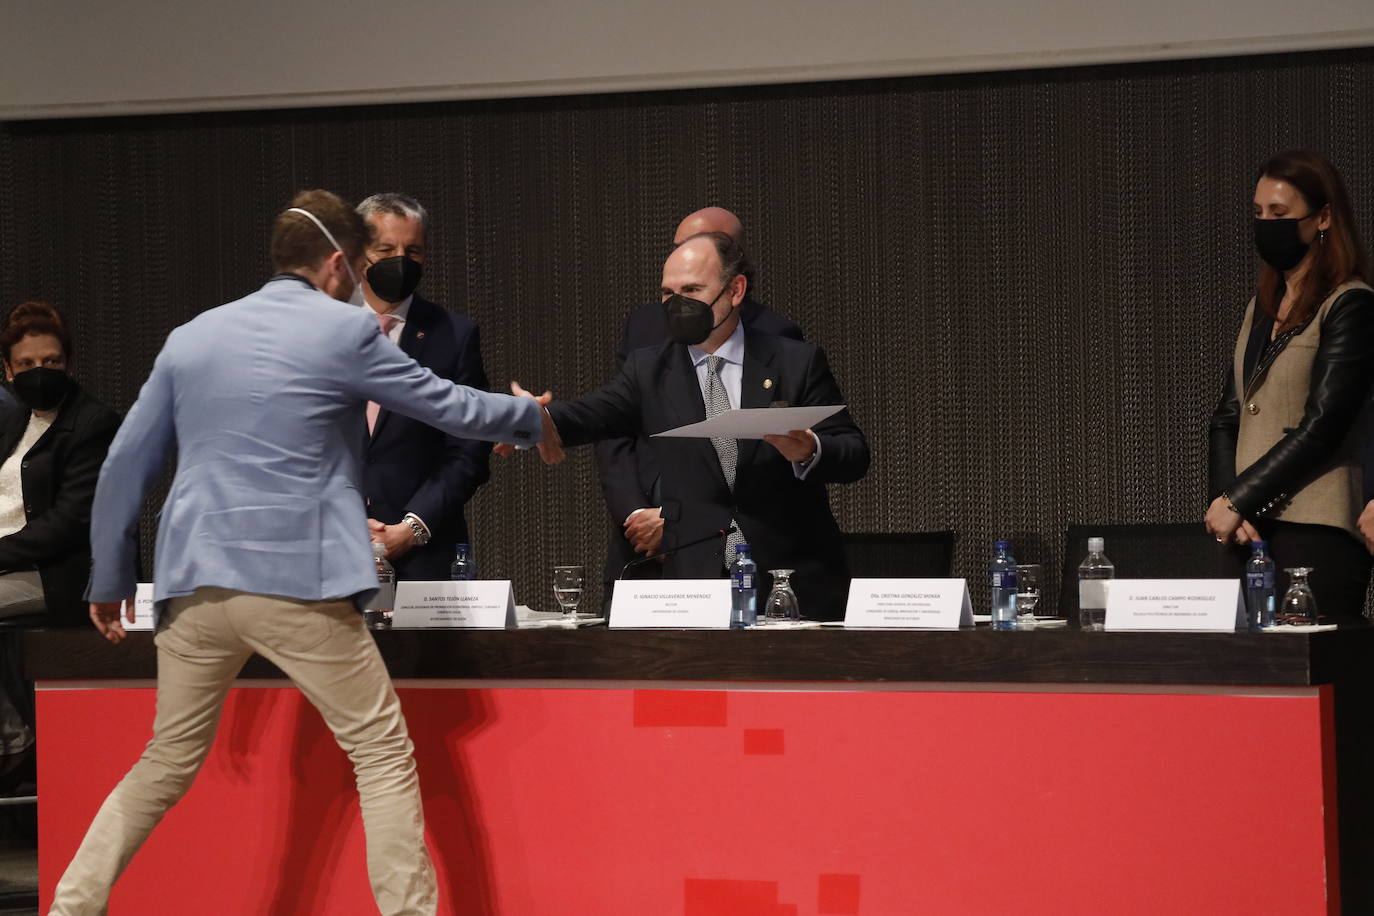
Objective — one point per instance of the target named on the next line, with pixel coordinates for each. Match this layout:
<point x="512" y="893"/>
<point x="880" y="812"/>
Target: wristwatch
<point x="417" y="528"/>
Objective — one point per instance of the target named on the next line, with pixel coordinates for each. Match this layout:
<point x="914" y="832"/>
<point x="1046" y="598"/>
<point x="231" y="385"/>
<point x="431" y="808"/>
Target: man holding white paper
<point x="626" y="465"/>
<point x="773" y="489"/>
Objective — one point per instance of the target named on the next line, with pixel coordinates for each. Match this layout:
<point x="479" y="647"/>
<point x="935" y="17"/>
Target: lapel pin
<point x="768" y="383"/>
<point x="419" y="335"/>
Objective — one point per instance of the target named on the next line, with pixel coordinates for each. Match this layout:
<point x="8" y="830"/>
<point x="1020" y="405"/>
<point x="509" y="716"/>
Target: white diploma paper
<point x="1207" y="605"/>
<point x="650" y="603"/>
<point x="754" y="423"/>
<point x="486" y="604"/>
<point x="909" y="604"/>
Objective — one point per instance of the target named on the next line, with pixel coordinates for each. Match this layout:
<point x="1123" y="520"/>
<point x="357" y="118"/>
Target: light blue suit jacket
<point x="265" y="400"/>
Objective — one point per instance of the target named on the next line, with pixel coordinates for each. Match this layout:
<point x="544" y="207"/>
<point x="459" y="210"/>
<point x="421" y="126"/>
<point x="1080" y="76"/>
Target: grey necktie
<point x="727" y="450"/>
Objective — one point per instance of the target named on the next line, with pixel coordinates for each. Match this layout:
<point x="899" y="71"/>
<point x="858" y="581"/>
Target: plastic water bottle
<point x="744" y="589"/>
<point x="1003" y="571"/>
<point x="377" y="614"/>
<point x="1259" y="586"/>
<point x="464" y="566"/>
<point x="1093" y="574"/>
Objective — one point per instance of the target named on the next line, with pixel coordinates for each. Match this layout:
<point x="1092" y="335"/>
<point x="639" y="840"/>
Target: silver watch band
<point x="421" y="534"/>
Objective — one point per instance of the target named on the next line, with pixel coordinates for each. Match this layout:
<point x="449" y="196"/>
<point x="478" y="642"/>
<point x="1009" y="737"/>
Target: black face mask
<point x="392" y="279"/>
<point x="689" y="320"/>
<point x="1279" y="243"/>
<point x="42" y="388"/>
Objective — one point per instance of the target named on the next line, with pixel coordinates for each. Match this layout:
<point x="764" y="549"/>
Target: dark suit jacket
<point x="412" y="467"/>
<point x="787" y="521"/>
<point x="58" y="475"/>
<point x="626" y="465"/>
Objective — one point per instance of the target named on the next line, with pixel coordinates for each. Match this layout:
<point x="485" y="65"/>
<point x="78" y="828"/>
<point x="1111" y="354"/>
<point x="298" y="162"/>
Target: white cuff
<point x="802" y="468"/>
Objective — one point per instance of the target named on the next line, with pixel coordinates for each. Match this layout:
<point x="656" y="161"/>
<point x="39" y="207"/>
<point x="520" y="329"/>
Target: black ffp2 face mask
<point x="42" y="388"/>
<point x="392" y="279"/>
<point x="1279" y="242"/>
<point x="689" y="320"/>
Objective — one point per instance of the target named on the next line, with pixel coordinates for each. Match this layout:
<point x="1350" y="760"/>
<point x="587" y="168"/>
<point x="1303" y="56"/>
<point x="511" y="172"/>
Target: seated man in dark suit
<point x="626" y="465"/>
<point x="774" y="490"/>
<point x="417" y="479"/>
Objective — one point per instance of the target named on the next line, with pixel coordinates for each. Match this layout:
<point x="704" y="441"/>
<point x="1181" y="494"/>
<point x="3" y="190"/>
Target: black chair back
<point x="1182" y="550"/>
<point x="917" y="554"/>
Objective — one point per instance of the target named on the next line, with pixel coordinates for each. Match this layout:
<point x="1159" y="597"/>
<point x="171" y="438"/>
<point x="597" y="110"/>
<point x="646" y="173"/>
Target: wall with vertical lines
<point x="1028" y="282"/>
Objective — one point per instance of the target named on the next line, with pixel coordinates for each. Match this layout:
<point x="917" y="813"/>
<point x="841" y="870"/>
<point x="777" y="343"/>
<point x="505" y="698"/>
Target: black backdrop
<point x="1028" y="282"/>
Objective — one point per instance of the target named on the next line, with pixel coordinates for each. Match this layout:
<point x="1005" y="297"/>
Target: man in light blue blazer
<point x="263" y="543"/>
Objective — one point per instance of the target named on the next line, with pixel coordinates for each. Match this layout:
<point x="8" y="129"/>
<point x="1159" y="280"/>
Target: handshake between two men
<point x="699" y="487"/>
<point x="798" y="446"/>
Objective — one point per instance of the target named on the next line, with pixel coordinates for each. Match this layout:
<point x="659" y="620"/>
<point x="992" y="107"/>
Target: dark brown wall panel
<point x="1028" y="283"/>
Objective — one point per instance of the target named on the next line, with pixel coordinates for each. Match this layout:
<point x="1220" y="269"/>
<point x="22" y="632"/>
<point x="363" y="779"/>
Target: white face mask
<point x="356" y="298"/>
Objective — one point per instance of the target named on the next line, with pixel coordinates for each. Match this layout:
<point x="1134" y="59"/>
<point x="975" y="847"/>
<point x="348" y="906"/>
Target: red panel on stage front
<point x="623" y="802"/>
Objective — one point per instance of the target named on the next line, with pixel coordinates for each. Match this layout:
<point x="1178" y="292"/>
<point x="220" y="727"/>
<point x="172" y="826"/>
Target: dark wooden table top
<point x="1048" y="656"/>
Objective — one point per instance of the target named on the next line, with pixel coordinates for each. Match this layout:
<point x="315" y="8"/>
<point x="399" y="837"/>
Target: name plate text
<point x="650" y="603"/>
<point x="485" y="604"/>
<point x="909" y="604"/>
<point x="1208" y="605"/>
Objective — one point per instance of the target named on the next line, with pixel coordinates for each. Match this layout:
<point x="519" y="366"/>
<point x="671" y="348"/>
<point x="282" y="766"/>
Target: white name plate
<point x="909" y="604"/>
<point x="486" y="604"/>
<point x="649" y="603"/>
<point x="1209" y="605"/>
<point x="143" y="609"/>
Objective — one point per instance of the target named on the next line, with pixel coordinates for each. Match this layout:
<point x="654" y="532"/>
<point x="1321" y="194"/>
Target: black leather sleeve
<point x="1222" y="433"/>
<point x="1341" y="376"/>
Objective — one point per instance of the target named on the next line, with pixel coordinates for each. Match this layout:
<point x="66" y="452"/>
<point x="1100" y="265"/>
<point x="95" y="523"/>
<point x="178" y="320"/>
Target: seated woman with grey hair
<point x="52" y="444"/>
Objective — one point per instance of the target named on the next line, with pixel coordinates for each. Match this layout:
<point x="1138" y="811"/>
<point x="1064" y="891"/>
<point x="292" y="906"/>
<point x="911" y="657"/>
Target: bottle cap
<point x="1095" y="545"/>
<point x="1002" y="545"/>
<point x="741" y="548"/>
<point x="461" y="547"/>
<point x="1260" y="545"/>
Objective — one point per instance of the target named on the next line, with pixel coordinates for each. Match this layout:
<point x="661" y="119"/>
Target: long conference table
<point x="599" y="772"/>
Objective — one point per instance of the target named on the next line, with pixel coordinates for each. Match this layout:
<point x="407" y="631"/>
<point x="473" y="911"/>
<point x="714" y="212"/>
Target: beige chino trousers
<point x="328" y="653"/>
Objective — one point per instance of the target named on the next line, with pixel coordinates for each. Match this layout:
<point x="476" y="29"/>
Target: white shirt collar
<point x="732" y="351"/>
<point x="399" y="311"/>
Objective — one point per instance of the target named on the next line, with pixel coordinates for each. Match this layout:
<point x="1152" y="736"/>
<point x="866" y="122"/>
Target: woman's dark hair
<point x="34" y="318"/>
<point x="1339" y="254"/>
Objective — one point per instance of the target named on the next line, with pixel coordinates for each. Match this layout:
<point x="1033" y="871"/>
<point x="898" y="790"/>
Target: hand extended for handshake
<point x="550" y="446"/>
<point x="797" y="445"/>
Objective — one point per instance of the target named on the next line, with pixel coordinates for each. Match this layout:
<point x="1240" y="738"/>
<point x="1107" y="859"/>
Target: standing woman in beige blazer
<point x="1287" y="433"/>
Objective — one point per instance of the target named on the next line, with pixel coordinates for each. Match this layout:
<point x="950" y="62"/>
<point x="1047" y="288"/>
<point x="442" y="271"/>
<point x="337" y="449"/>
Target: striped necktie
<point x="727" y="450"/>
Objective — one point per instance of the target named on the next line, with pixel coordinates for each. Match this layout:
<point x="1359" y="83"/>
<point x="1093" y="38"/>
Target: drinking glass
<point x="1299" y="604"/>
<point x="782" y="607"/>
<point x="567" y="589"/>
<point x="1028" y="579"/>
